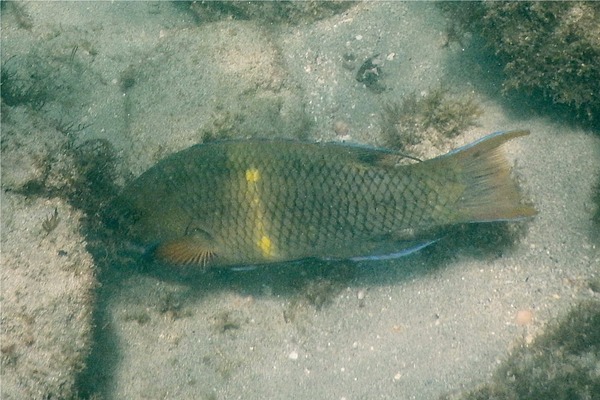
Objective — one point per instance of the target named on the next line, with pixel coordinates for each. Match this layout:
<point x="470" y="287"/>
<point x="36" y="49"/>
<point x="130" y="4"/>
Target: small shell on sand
<point x="524" y="317"/>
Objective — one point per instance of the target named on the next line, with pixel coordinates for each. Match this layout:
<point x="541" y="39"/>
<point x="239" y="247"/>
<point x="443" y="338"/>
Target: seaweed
<point x="275" y="12"/>
<point x="37" y="78"/>
<point x="51" y="222"/>
<point x="437" y="113"/>
<point x="20" y="89"/>
<point x="94" y="163"/>
<point x="560" y="364"/>
<point x="84" y="175"/>
<point x="68" y="128"/>
<point x="550" y="49"/>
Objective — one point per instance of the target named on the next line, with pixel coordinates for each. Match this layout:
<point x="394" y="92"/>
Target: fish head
<point x="143" y="219"/>
<point x="160" y="230"/>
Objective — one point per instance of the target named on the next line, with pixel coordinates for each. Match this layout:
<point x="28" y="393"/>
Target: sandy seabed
<point x="151" y="79"/>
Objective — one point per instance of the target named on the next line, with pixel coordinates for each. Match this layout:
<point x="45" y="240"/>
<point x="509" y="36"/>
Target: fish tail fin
<point x="490" y="193"/>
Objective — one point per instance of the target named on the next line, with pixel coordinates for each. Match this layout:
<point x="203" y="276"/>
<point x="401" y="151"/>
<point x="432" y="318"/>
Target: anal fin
<point x="410" y="247"/>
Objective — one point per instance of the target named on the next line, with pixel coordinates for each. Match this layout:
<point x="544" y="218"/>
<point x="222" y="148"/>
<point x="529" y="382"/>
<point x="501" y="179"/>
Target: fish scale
<point x="261" y="201"/>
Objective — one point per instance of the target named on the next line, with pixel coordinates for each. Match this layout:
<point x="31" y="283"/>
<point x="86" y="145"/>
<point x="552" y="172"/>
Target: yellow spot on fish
<point x="265" y="246"/>
<point x="252" y="175"/>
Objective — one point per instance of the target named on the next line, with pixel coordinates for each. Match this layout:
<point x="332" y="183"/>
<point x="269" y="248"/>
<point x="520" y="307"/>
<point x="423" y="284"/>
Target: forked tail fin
<point x="490" y="194"/>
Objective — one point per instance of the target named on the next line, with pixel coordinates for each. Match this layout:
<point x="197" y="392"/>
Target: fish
<point x="260" y="201"/>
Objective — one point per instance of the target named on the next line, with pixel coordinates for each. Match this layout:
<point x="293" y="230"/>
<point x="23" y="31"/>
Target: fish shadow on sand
<point x="314" y="283"/>
<point x="479" y="241"/>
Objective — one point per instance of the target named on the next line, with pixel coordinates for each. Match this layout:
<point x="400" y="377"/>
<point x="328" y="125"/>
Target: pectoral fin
<point x="187" y="250"/>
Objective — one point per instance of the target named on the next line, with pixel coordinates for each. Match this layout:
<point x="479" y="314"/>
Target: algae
<point x="273" y="12"/>
<point x="560" y="364"/>
<point x="437" y="114"/>
<point x="551" y="49"/>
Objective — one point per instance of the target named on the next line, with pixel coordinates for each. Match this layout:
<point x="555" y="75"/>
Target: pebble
<point x="361" y="297"/>
<point x="341" y="128"/>
<point x="524" y="317"/>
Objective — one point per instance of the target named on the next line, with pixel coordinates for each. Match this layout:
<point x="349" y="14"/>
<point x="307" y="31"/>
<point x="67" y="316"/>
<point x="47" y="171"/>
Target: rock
<point x="47" y="282"/>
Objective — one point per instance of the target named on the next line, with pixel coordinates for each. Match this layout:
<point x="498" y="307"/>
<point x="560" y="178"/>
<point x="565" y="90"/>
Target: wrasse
<point x="247" y="202"/>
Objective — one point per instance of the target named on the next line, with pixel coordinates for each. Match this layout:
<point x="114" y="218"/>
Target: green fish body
<point x="261" y="201"/>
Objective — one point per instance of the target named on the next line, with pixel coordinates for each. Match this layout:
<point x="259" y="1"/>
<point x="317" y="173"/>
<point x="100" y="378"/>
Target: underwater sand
<point x="424" y="326"/>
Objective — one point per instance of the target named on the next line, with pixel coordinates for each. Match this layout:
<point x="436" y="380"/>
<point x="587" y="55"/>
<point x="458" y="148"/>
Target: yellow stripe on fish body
<point x="257" y="213"/>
